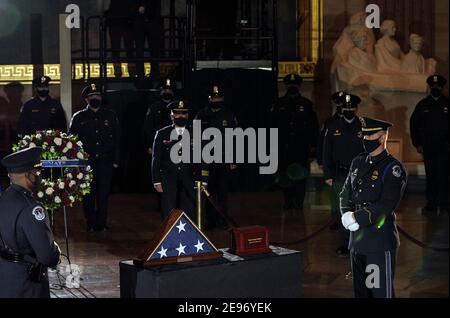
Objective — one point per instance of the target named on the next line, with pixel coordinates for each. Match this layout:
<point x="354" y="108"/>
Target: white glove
<point x="353" y="227"/>
<point x="347" y="219"/>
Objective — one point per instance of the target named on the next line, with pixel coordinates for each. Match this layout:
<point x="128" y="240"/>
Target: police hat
<point x="338" y="97"/>
<point x="179" y="106"/>
<point x="216" y="91"/>
<point x="90" y="90"/>
<point x="351" y="101"/>
<point x="293" y="79"/>
<point x="23" y="161"/>
<point x="436" y="80"/>
<point x="372" y="126"/>
<point x="166" y="83"/>
<point x="42" y="81"/>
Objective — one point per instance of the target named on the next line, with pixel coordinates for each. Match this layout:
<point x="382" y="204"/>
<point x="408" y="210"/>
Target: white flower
<point x="40" y="194"/>
<point x="57" y="199"/>
<point x="69" y="176"/>
<point x="44" y="145"/>
<point x="24" y="142"/>
<point x="57" y="141"/>
<point x="72" y="183"/>
<point x="80" y="156"/>
<point x="79" y="144"/>
<point x="83" y="185"/>
<point x="32" y="145"/>
<point x="63" y="158"/>
<point x="69" y="145"/>
<point x="71" y="198"/>
<point x="61" y="185"/>
<point x="65" y="150"/>
<point x="52" y="149"/>
<point x="38" y="136"/>
<point x="88" y="168"/>
<point x="49" y="191"/>
<point x="52" y="184"/>
<point x="80" y="176"/>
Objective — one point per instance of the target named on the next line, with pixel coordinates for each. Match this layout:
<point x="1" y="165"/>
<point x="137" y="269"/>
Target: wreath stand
<point x="61" y="164"/>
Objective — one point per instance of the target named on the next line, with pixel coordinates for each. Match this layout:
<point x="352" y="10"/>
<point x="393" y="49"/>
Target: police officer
<point x="298" y="127"/>
<point x="429" y="134"/>
<point x="369" y="198"/>
<point x="98" y="129"/>
<point x="342" y="143"/>
<point x="217" y="115"/>
<point x="41" y="112"/>
<point x="27" y="246"/>
<point x="158" y="114"/>
<point x="173" y="179"/>
<point x="337" y="99"/>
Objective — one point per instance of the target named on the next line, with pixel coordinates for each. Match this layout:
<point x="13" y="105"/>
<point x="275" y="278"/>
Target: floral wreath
<point x="74" y="183"/>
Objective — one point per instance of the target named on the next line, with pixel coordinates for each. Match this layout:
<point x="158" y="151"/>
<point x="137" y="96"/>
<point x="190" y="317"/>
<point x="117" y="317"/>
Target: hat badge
<point x="168" y="82"/>
<point x="348" y="98"/>
<point x="93" y="87"/>
<point x="216" y="90"/>
<point x="341" y="93"/>
<point x="435" y="78"/>
<point x="43" y="79"/>
<point x="181" y="104"/>
<point x="292" y="77"/>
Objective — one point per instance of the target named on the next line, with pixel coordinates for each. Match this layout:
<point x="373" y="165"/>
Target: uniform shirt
<point x="298" y="127"/>
<point x="373" y="190"/>
<point x="162" y="164"/>
<point x="157" y="117"/>
<point x="429" y="123"/>
<point x="342" y="143"/>
<point x="100" y="133"/>
<point x="25" y="229"/>
<point x="320" y="140"/>
<point x="38" y="115"/>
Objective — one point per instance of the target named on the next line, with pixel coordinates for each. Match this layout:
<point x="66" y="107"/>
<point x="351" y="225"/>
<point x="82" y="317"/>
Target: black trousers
<point x="294" y="174"/>
<point x="338" y="182"/>
<point x="178" y="193"/>
<point x="150" y="32"/>
<point x="218" y="186"/>
<point x="373" y="274"/>
<point x="437" y="174"/>
<point x="96" y="203"/>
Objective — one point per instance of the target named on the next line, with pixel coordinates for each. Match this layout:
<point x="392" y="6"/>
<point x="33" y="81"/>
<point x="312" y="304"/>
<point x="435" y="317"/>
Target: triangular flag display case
<point x="178" y="240"/>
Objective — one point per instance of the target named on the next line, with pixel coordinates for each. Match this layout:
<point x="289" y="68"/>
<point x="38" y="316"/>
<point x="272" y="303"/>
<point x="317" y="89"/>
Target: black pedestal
<point x="262" y="276"/>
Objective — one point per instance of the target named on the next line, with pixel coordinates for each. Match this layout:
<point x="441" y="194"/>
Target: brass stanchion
<point x="199" y="189"/>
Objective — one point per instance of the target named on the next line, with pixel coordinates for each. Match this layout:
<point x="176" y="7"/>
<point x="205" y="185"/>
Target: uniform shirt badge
<point x="337" y="132"/>
<point x="396" y="171"/>
<point x="53" y="110"/>
<point x="38" y="213"/>
<point x="301" y="108"/>
<point x="225" y="123"/>
<point x="106" y="123"/>
<point x="374" y="175"/>
<point x="359" y="134"/>
<point x="445" y="110"/>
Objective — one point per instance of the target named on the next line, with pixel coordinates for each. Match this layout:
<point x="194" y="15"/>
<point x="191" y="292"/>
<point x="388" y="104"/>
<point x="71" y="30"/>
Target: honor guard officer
<point x="298" y="127"/>
<point x="369" y="198"/>
<point x="217" y="115"/>
<point x="98" y="130"/>
<point x="27" y="246"/>
<point x="175" y="181"/>
<point x="429" y="134"/>
<point x="41" y="112"/>
<point x="158" y="114"/>
<point x="342" y="143"/>
<point x="338" y="100"/>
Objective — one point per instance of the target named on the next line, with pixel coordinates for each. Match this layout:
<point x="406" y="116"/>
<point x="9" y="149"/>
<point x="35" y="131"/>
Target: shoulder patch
<point x="397" y="171"/>
<point x="38" y="213"/>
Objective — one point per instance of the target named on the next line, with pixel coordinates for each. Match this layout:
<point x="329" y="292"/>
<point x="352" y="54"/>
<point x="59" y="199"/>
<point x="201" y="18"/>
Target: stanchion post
<point x="198" y="188"/>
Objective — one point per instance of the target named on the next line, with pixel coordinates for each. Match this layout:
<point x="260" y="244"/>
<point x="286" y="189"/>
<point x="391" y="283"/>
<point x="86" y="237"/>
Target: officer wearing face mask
<point x="342" y="143"/>
<point x="41" y="112"/>
<point x="371" y="194"/>
<point x="99" y="131"/>
<point x="429" y="134"/>
<point x="338" y="101"/>
<point x="27" y="246"/>
<point x="158" y="114"/>
<point x="175" y="180"/>
<point x="298" y="130"/>
<point x="217" y="115"/>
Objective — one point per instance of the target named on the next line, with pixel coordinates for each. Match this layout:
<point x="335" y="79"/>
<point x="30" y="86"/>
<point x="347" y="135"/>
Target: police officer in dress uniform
<point x="217" y="115"/>
<point x="298" y="126"/>
<point x="98" y="130"/>
<point x="174" y="179"/>
<point x="27" y="246"/>
<point x="429" y="134"/>
<point x="342" y="143"/>
<point x="369" y="198"/>
<point x="337" y="99"/>
<point x="41" y="112"/>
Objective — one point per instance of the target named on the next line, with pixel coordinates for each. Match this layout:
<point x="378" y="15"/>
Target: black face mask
<point x="436" y="92"/>
<point x="35" y="180"/>
<point x="180" y="121"/>
<point x="43" y="93"/>
<point x="349" y="115"/>
<point x="370" y="145"/>
<point x="167" y="96"/>
<point x="292" y="91"/>
<point x="216" y="105"/>
<point x="95" y="103"/>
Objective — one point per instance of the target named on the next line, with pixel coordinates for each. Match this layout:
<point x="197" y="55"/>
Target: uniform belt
<point x="12" y="256"/>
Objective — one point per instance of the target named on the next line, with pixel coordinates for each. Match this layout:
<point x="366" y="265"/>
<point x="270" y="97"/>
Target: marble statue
<point x="358" y="56"/>
<point x="387" y="50"/>
<point x="414" y="62"/>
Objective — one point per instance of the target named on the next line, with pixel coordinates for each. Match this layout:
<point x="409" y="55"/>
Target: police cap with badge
<point x="166" y="83"/>
<point x="179" y="107"/>
<point x="89" y="90"/>
<point x="436" y="80"/>
<point x="372" y="126"/>
<point x="339" y="97"/>
<point x="292" y="79"/>
<point x="41" y="81"/>
<point x="216" y="91"/>
<point x="23" y="161"/>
